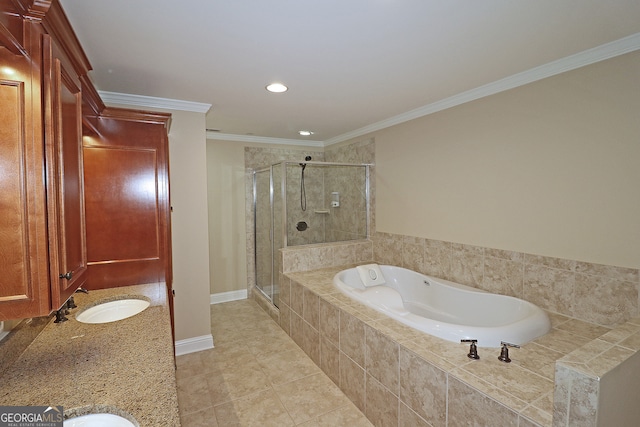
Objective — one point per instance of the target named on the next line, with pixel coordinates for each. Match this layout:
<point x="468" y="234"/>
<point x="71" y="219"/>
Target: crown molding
<point x="572" y="62"/>
<point x="263" y="139"/>
<point x="153" y="102"/>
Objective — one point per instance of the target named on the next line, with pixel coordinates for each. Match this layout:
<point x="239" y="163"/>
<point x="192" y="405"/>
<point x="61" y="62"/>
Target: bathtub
<point x="446" y="309"/>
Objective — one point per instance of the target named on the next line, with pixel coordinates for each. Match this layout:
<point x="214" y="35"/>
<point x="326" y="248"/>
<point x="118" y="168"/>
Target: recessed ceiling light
<point x="305" y="132"/>
<point x="277" y="88"/>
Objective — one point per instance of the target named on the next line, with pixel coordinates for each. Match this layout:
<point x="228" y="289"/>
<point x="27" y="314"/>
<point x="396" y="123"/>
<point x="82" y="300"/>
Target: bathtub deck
<point x="308" y="310"/>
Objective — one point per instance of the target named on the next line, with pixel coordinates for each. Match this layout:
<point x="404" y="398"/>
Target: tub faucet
<point x="473" y="349"/>
<point x="504" y="353"/>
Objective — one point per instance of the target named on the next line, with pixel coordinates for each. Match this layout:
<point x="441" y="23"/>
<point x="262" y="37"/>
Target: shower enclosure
<point x="301" y="203"/>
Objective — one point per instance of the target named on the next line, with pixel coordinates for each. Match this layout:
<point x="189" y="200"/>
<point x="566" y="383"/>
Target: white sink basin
<point x="98" y="420"/>
<point x="112" y="311"/>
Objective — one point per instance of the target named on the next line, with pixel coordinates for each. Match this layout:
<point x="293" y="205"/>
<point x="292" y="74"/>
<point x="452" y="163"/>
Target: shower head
<point x="306" y="159"/>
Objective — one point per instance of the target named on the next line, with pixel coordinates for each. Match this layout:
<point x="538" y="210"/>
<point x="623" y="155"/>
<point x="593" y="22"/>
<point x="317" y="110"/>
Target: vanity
<point x="125" y="367"/>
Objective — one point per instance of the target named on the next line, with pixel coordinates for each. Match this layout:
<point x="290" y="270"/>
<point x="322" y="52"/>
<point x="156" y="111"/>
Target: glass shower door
<point x="263" y="221"/>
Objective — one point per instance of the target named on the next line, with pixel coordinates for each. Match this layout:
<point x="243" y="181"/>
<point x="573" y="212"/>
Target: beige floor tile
<point x="286" y="366"/>
<point x="257" y="376"/>
<point x="347" y="416"/>
<point x="203" y="418"/>
<point x="309" y="397"/>
<point x="260" y="409"/>
<point x="242" y="380"/>
<point x="193" y="394"/>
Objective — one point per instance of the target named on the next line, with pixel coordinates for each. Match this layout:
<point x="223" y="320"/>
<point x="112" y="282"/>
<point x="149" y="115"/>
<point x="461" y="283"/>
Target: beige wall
<point x="188" y="168"/>
<point x="550" y="168"/>
<point x="227" y="228"/>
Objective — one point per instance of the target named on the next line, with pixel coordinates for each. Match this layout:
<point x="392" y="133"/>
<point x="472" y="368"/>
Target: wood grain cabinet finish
<point x="65" y="177"/>
<point x="24" y="277"/>
<point x="84" y="189"/>
<point x="42" y="219"/>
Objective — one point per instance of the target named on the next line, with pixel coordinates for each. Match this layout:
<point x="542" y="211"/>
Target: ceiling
<point x="349" y="65"/>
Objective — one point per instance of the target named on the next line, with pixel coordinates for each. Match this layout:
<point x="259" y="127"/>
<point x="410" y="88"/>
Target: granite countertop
<point x="125" y="367"/>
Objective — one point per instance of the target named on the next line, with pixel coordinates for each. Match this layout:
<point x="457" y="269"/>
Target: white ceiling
<point x="349" y="64"/>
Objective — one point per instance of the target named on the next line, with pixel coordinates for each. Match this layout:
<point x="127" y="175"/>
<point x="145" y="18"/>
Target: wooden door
<point x="127" y="199"/>
<point x="63" y="139"/>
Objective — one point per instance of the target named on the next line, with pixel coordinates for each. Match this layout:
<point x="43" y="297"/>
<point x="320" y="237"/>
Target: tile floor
<point x="257" y="376"/>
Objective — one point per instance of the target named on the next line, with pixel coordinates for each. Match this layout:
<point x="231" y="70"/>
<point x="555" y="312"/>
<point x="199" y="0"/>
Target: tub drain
<point x="301" y="226"/>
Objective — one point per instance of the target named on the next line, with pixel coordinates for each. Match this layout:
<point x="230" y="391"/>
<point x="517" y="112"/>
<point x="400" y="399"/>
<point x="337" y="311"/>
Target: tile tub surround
<point x="601" y="294"/>
<point x="398" y="376"/>
<point x="123" y="366"/>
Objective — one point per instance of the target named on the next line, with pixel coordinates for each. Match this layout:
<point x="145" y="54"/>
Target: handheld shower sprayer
<point x="303" y="191"/>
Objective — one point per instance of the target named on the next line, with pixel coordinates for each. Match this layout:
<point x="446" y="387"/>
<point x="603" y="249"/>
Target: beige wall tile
<point x="468" y="406"/>
<point x="311" y="342"/>
<point x="330" y="359"/>
<point x="503" y="276"/>
<point x="408" y="418"/>
<point x="467" y="264"/>
<point x="591" y="291"/>
<point x="423" y="387"/>
<point x="297" y="298"/>
<point x="549" y="288"/>
<point x="352" y="381"/>
<point x="329" y="321"/>
<point x="413" y="253"/>
<point x="381" y="405"/>
<point x="352" y="337"/>
<point x="382" y="358"/>
<point x="311" y="308"/>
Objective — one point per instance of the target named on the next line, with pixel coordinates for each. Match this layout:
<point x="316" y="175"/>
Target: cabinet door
<point x="63" y="138"/>
<point x="24" y="276"/>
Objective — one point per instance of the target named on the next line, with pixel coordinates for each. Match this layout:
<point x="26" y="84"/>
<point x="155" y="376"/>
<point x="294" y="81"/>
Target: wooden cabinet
<point x="42" y="222"/>
<point x="48" y="109"/>
<point x="24" y="259"/>
<point x="65" y="179"/>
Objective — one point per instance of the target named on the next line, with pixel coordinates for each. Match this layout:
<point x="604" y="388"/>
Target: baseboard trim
<point x="228" y="296"/>
<point x="192" y="345"/>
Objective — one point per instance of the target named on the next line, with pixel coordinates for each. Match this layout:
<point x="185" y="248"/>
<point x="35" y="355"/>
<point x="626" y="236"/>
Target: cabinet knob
<point x="68" y="275"/>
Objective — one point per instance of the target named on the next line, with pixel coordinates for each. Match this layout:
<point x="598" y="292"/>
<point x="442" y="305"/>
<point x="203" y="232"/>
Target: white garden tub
<point x="442" y="308"/>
